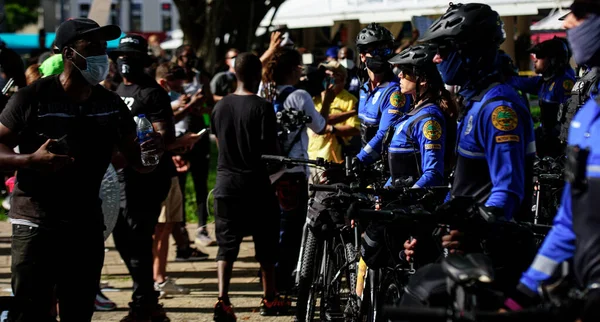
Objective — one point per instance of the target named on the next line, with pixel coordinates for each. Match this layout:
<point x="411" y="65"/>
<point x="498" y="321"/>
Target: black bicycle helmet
<point x="418" y="55"/>
<point x="557" y="49"/>
<point x="467" y="24"/>
<point x="374" y="36"/>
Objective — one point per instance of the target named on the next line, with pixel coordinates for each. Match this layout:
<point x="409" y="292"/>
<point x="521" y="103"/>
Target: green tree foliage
<point x="206" y="22"/>
<point x="19" y="13"/>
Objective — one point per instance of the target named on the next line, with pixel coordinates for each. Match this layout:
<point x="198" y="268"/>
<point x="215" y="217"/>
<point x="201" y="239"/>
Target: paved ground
<point x="200" y="277"/>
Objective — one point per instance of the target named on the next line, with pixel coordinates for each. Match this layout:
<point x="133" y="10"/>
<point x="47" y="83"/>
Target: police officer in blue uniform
<point x="495" y="140"/>
<point x="576" y="238"/>
<point x="417" y="149"/>
<point x="495" y="131"/>
<point x="381" y="102"/>
<point x="552" y="87"/>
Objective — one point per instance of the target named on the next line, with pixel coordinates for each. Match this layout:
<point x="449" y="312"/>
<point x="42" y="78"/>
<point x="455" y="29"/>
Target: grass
<point x="190" y="196"/>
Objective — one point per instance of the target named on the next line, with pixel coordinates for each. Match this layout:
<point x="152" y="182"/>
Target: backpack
<point x="283" y="128"/>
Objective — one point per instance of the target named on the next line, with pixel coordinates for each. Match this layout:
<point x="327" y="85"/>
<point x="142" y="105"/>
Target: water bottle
<point x="144" y="127"/>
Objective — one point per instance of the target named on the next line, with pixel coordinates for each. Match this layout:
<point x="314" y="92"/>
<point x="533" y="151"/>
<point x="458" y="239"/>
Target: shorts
<point x="172" y="208"/>
<point x="238" y="217"/>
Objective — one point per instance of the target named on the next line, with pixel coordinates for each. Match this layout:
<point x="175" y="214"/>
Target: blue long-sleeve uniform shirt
<point x="553" y="91"/>
<point x="381" y="107"/>
<point x="565" y="237"/>
<point x="494" y="139"/>
<point x="423" y="133"/>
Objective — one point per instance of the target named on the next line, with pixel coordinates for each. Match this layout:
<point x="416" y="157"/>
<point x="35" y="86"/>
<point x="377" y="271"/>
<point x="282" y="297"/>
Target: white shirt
<point x="302" y="101"/>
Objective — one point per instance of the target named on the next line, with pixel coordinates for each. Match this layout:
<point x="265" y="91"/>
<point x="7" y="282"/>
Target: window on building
<point x="84" y="10"/>
<point x="136" y="17"/>
<point x="166" y="16"/>
<point x="115" y="14"/>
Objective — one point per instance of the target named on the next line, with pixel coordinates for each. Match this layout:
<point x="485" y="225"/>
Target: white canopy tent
<point x="319" y="13"/>
<point x="175" y="39"/>
<point x="551" y="22"/>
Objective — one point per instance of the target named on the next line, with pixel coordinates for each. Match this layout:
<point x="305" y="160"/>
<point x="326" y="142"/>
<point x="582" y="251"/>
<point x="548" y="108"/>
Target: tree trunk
<point x="208" y="24"/>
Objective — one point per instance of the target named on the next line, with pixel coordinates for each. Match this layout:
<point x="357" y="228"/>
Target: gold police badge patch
<point x="432" y="130"/>
<point x="397" y="99"/>
<point x="505" y="118"/>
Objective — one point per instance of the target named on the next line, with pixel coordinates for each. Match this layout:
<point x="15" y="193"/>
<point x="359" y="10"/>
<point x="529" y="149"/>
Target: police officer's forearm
<point x="505" y="200"/>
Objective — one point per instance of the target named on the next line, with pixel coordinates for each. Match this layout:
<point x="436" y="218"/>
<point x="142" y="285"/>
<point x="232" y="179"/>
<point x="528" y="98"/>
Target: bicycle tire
<point x="308" y="267"/>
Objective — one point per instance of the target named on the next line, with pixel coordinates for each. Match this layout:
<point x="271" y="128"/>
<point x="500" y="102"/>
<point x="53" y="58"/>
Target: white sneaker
<point x="204" y="239"/>
<point x="168" y="287"/>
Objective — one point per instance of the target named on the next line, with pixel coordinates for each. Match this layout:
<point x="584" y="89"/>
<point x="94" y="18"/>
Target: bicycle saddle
<point x="469" y="269"/>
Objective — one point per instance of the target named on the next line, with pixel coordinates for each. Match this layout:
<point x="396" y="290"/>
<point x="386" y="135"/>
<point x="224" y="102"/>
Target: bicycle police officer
<point x="417" y="148"/>
<point x="552" y="87"/>
<point x="381" y="102"/>
<point x="576" y="238"/>
<point x="496" y="142"/>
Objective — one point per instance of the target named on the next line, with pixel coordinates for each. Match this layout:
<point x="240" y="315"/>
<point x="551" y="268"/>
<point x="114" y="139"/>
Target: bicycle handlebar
<point x="294" y="161"/>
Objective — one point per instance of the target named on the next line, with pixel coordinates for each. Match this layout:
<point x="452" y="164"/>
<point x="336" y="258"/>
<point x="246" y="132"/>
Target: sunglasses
<point x="380" y="52"/>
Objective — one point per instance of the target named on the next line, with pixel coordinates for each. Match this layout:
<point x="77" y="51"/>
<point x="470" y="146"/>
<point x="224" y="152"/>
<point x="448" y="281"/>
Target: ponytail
<point x="448" y="104"/>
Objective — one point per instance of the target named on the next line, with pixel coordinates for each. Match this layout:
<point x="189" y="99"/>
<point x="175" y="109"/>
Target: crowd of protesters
<point x="78" y="114"/>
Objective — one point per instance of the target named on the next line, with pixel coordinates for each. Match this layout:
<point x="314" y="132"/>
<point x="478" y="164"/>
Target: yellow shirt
<point x="328" y="146"/>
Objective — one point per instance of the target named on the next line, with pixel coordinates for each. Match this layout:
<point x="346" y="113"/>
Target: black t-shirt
<point x="89" y="131"/>
<point x="245" y="127"/>
<point x="148" y="98"/>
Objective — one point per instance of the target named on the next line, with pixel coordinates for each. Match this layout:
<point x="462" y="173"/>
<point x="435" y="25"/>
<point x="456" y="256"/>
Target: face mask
<point x="96" y="70"/>
<point x="582" y="38"/>
<point x="452" y="70"/>
<point x="349" y="64"/>
<point x="376" y="65"/>
<point x="233" y="63"/>
<point x="129" y="67"/>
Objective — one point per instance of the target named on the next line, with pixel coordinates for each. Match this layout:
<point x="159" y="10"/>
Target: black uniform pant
<point x="66" y="260"/>
<point x="133" y="239"/>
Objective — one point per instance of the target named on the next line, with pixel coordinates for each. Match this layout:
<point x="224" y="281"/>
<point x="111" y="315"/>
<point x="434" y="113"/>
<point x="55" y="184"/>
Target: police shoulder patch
<point x="432" y="130"/>
<point x="567" y="84"/>
<point x="397" y="99"/>
<point x="505" y="118"/>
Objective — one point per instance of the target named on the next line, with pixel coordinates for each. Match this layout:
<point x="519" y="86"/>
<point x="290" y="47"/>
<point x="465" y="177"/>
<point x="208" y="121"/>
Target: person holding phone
<point x="342" y="114"/>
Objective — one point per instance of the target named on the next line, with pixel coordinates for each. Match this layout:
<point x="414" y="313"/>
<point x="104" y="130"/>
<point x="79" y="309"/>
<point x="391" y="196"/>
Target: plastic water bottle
<point x="144" y="127"/>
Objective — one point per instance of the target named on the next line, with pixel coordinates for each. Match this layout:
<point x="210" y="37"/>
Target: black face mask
<point x="130" y="67"/>
<point x="377" y="65"/>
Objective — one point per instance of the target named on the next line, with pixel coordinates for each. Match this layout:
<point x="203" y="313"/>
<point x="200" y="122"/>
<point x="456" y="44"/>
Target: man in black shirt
<point x="66" y="127"/>
<point x="244" y="125"/>
<point x="144" y="192"/>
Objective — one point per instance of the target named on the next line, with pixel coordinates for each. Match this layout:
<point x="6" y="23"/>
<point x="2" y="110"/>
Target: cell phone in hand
<point x="202" y="132"/>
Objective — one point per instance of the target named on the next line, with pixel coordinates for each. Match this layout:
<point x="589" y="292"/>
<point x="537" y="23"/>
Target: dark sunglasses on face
<point x="380" y="52"/>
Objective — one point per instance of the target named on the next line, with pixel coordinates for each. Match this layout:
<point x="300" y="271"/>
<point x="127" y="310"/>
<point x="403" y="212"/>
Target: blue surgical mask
<point x="583" y="41"/>
<point x="96" y="70"/>
<point x="452" y="69"/>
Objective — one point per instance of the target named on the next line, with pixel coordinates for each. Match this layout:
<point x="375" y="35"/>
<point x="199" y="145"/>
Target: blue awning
<point x="24" y="43"/>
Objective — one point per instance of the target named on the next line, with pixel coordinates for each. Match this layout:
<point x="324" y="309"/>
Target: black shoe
<point x="278" y="306"/>
<point x="224" y="312"/>
<point x="190" y="255"/>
